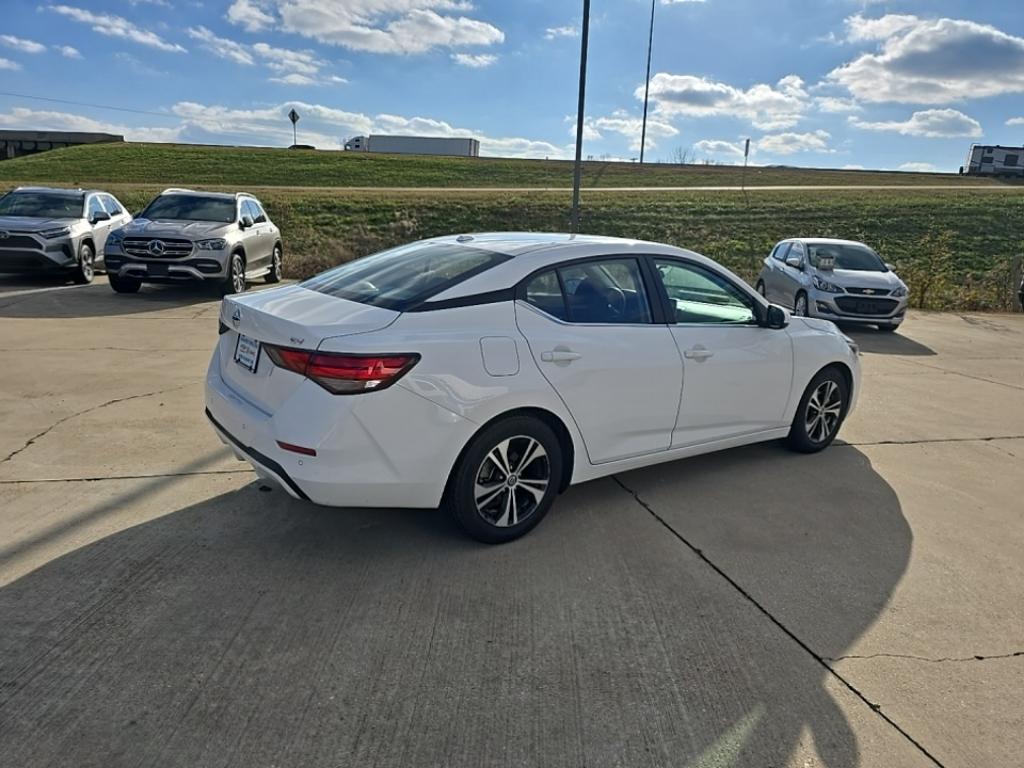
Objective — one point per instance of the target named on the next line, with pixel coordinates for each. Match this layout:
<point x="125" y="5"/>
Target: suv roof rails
<point x="245" y="194"/>
<point x="169" y="190"/>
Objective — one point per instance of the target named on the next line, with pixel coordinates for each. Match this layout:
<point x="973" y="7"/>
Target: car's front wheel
<point x="760" y="287"/>
<point x="507" y="479"/>
<point x="85" y="270"/>
<point x="274" y="275"/>
<point x="124" y="284"/>
<point x="820" y="413"/>
<point x="234" y="280"/>
<point x="889" y="328"/>
<point x="800" y="305"/>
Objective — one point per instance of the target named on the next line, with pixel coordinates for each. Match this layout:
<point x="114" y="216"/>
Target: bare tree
<point x="681" y="155"/>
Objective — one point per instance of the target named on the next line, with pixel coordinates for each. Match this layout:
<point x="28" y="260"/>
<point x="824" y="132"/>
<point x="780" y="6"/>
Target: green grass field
<point x="959" y="248"/>
<point x="248" y="167"/>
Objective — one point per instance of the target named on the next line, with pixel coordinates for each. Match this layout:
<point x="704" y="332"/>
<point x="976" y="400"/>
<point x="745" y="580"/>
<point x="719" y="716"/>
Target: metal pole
<point x="647" y="85"/>
<point x="574" y="219"/>
<point x="295" y="134"/>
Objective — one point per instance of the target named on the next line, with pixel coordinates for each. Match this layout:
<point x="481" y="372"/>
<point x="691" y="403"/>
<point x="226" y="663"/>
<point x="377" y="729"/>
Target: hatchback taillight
<point x="341" y="373"/>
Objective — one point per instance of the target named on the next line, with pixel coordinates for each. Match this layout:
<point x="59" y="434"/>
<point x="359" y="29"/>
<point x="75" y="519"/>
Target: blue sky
<point x="827" y="83"/>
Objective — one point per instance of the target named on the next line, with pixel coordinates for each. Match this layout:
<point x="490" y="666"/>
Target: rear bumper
<point x="384" y="449"/>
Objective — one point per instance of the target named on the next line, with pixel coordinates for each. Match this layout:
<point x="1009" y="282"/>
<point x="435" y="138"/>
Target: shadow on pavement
<point x="96" y="299"/>
<point x="879" y="343"/>
<point x="255" y="630"/>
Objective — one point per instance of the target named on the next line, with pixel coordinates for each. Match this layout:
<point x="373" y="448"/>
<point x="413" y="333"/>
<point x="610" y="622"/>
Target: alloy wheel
<point x="86" y="264"/>
<point x="800" y="308"/>
<point x="824" y="408"/>
<point x="237" y="274"/>
<point x="511" y="481"/>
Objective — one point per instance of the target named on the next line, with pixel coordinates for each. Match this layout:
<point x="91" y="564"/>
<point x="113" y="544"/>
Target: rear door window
<point x="602" y="291"/>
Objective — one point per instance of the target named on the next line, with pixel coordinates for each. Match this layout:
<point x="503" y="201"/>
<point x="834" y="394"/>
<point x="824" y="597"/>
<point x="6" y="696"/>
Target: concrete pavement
<point x="750" y="608"/>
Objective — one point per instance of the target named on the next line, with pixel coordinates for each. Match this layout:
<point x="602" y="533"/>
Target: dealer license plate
<point x="247" y="353"/>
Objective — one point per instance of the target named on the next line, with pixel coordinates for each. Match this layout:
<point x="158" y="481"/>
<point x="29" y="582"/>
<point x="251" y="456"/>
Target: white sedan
<point x="489" y="372"/>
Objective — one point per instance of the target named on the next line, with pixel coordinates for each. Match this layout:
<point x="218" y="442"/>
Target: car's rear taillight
<point x="341" y="373"/>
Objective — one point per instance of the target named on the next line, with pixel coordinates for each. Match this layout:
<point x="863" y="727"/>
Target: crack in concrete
<point x="965" y="375"/>
<point x="90" y="409"/>
<point x="926" y="440"/>
<point x="1013" y="655"/>
<point x="101" y="478"/>
<point x="823" y="661"/>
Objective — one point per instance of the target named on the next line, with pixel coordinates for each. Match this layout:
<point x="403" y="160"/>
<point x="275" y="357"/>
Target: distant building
<point x="989" y="160"/>
<point x="415" y="145"/>
<point x="18" y="143"/>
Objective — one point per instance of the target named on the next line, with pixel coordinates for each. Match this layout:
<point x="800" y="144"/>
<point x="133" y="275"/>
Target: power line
<point x="87" y="104"/>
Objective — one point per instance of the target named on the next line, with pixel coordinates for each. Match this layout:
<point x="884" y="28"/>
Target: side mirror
<point x="99" y="216"/>
<point x="246" y="221"/>
<point x="795" y="262"/>
<point x="776" y="317"/>
<point x="890" y="267"/>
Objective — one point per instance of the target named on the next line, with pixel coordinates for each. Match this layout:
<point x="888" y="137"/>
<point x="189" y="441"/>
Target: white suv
<point x="184" y="235"/>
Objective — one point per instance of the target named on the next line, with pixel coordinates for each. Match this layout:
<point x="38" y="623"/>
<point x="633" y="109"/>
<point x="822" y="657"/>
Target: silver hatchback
<point x="840" y="280"/>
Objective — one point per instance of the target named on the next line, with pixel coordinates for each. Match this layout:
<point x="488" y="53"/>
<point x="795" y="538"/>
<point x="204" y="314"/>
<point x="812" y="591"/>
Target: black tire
<point x="760" y="287"/>
<point x="234" y="281"/>
<point x="124" y="284"/>
<point x="274" y="275"/>
<point x="796" y="305"/>
<point x="86" y="268"/>
<point x="888" y="328"/>
<point x="532" y="492"/>
<point x="804" y="435"/>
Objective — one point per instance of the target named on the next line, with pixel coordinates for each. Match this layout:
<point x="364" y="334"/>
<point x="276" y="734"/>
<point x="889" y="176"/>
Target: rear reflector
<point x="343" y="374"/>
<point x="297" y="448"/>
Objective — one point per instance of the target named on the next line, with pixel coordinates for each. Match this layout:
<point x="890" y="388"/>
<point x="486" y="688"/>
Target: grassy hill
<point x="245" y="167"/>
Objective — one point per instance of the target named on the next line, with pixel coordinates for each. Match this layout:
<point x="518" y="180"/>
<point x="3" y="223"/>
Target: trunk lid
<point x="291" y="316"/>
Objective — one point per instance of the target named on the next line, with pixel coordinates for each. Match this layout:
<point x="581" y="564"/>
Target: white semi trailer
<point x="415" y="145"/>
<point x="993" y="160"/>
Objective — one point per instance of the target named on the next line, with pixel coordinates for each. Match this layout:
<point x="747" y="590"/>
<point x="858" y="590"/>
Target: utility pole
<point x="647" y="85"/>
<point x="574" y="218"/>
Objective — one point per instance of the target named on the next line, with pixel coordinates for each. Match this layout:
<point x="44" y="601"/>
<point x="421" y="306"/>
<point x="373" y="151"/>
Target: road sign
<point x="293" y="116"/>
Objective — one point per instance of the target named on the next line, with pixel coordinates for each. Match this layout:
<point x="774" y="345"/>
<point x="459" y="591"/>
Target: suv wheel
<point x="85" y="270"/>
<point x="274" y="275"/>
<point x="124" y="284"/>
<point x="507" y="480"/>
<point x="234" y="282"/>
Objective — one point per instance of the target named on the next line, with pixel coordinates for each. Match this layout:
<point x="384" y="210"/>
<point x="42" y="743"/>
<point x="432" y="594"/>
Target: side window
<point x="111" y="205"/>
<point x="701" y="296"/>
<point x="798" y="251"/>
<point x="544" y="292"/>
<point x="258" y="216"/>
<point x="606" y="291"/>
<point x="247" y="210"/>
<point x="780" y="251"/>
<point x="94" y="207"/>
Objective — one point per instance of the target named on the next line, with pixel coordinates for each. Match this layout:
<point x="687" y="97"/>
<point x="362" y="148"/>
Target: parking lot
<point x="159" y="606"/>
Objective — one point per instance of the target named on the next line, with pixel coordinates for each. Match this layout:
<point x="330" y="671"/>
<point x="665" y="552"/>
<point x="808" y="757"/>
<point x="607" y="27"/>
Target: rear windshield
<point x="402" y="277"/>
<point x="44" y="205"/>
<point x="856" y="257"/>
<point x="191" y="208"/>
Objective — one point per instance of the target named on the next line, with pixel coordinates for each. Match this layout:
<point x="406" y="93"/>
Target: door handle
<point x="698" y="353"/>
<point x="560" y="356"/>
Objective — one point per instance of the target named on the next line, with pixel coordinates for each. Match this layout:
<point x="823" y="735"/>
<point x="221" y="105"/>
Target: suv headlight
<point x="900" y="292"/>
<point x="50" y="234"/>
<point x="216" y="244"/>
<point x="825" y="285"/>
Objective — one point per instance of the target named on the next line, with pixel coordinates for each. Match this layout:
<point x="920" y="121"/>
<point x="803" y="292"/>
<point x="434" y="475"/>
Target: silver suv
<point x="56" y="230"/>
<point x="184" y="235"/>
<point x="839" y="280"/>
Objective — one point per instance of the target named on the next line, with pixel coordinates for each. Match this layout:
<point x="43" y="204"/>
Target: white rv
<point x="989" y="160"/>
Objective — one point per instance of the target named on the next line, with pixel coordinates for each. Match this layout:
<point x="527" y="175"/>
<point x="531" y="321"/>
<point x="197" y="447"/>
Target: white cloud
<point x="793" y="143"/>
<point x="918" y="167"/>
<point x="8" y="64"/>
<point x="220" y="46"/>
<point x="767" y="107"/>
<point x="835" y="105"/>
<point x="567" y="31"/>
<point x="116" y="26"/>
<point x="931" y="61"/>
<point x="474" y="60"/>
<point x="931" y="123"/>
<point x="21" y="117"/>
<point x="623" y="123"/>
<point x="852" y="167"/>
<point x="286" y="61"/>
<point x="68" y="52"/>
<point x="1015" y="121"/>
<point x="21" y="44"/>
<point x="718" y="147"/>
<point x="377" y="26"/>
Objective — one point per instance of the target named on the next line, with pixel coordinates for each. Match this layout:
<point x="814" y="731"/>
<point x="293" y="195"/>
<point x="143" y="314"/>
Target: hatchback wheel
<point x="800" y="305"/>
<point x="821" y="412"/>
<point x="760" y="287"/>
<point x="507" y="480"/>
<point x="85" y="271"/>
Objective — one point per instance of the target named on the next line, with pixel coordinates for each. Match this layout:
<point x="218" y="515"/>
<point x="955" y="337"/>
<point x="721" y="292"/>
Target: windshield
<point x="854" y="257"/>
<point x="191" y="208"/>
<point x="44" y="205"/>
<point x="403" y="277"/>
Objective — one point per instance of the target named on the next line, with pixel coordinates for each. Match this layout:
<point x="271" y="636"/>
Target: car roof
<point x="522" y="243"/>
<point x="60" y="191"/>
<point x="202" y="193"/>
<point x="827" y="241"/>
